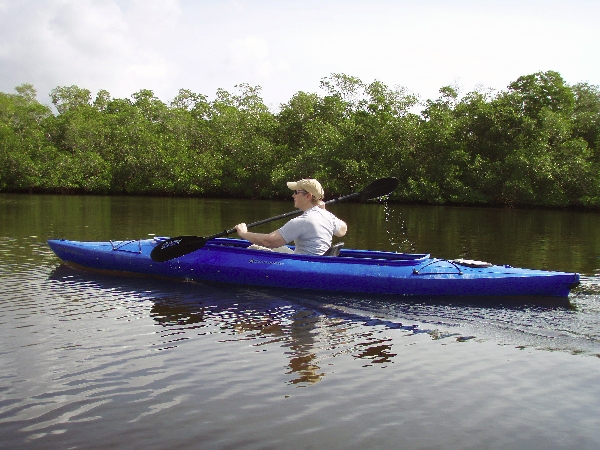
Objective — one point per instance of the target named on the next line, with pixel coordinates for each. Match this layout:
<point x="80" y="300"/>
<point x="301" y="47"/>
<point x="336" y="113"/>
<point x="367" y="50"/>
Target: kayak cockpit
<point x="412" y="258"/>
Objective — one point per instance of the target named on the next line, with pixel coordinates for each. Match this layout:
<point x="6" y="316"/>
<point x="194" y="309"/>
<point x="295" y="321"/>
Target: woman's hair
<point x="314" y="200"/>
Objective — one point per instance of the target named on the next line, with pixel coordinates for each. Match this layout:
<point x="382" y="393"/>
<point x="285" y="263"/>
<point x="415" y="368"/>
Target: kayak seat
<point x="334" y="250"/>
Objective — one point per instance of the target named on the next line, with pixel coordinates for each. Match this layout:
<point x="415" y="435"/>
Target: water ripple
<point x="87" y="357"/>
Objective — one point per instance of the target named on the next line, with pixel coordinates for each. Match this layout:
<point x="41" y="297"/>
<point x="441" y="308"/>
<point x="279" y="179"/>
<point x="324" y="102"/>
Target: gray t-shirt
<point x="312" y="231"/>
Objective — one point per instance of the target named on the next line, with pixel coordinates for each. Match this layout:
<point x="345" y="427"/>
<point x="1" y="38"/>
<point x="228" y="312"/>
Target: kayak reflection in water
<point x="312" y="232"/>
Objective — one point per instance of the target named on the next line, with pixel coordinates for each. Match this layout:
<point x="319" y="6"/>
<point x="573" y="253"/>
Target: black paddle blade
<point x="176" y="247"/>
<point x="379" y="188"/>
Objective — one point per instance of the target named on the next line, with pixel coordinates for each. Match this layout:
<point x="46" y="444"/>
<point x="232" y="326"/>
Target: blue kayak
<point x="226" y="260"/>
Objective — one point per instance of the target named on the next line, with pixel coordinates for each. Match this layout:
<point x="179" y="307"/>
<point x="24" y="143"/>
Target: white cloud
<point x="164" y="45"/>
<point x="250" y="51"/>
<point x="95" y="29"/>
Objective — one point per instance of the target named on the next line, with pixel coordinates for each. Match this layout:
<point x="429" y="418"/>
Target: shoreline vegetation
<point x="534" y="144"/>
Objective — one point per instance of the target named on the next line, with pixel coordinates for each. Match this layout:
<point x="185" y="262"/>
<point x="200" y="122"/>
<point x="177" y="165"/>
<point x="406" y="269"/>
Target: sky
<point x="287" y="46"/>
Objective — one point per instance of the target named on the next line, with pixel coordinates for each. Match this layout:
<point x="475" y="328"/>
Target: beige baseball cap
<point x="309" y="185"/>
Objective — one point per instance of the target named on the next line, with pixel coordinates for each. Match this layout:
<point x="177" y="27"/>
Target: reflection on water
<point x="312" y="329"/>
<point x="90" y="360"/>
<point x="309" y="331"/>
<point x="167" y="313"/>
<point x="303" y="359"/>
<point x="378" y="352"/>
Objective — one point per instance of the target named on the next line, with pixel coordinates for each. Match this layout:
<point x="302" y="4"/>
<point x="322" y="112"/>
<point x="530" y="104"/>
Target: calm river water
<point x="92" y="361"/>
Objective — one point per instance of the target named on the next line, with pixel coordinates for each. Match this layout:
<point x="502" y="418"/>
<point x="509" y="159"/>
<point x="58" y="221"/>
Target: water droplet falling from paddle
<point x="396" y="229"/>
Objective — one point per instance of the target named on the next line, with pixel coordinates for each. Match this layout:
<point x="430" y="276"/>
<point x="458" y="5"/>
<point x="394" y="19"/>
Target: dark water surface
<point x="94" y="361"/>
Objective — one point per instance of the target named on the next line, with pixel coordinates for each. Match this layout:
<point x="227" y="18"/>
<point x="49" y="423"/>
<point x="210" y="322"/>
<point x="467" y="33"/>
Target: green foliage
<point x="537" y="143"/>
<point x="66" y="98"/>
<point x="25" y="151"/>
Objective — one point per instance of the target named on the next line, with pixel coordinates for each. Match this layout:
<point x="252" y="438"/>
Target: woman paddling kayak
<point x="312" y="232"/>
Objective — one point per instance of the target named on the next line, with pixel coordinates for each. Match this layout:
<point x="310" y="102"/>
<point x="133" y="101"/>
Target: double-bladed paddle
<point x="182" y="245"/>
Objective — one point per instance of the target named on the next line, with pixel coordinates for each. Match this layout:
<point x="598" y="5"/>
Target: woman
<point x="311" y="232"/>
